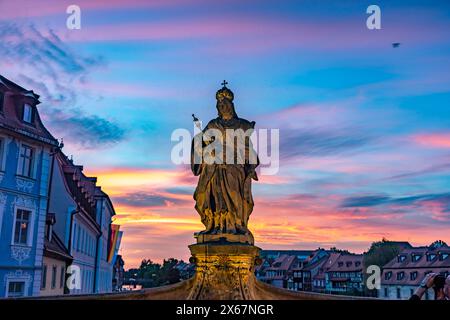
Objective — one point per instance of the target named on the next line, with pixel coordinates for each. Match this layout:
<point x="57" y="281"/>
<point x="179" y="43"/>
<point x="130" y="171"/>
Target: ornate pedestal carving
<point x="224" y="271"/>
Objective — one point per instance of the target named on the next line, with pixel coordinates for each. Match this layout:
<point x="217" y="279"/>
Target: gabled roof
<point x="78" y="186"/>
<point x="283" y="263"/>
<point x="421" y="260"/>
<point x="56" y="249"/>
<point x="101" y="194"/>
<point x="347" y="263"/>
<point x="300" y="254"/>
<point x="326" y="264"/>
<point x="10" y="115"/>
<point x="315" y="264"/>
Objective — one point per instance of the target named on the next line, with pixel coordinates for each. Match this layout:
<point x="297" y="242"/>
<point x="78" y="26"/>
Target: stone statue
<point x="223" y="195"/>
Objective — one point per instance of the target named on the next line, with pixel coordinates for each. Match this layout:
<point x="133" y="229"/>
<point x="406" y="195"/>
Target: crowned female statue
<point x="223" y="156"/>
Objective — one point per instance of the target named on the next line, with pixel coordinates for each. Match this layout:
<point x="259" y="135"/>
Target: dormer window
<point x="27" y="113"/>
<point x="400" y="275"/>
<point x="443" y="256"/>
<point x="431" y="257"/>
<point x="416" y="257"/>
<point x="401" y="258"/>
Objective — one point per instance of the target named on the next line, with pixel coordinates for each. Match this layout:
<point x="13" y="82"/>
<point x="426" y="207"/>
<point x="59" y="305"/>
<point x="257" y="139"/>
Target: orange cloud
<point x="159" y="220"/>
<point x="118" y="180"/>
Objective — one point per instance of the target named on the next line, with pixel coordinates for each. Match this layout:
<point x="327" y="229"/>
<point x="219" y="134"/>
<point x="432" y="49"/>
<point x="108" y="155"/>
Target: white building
<point x="83" y="221"/>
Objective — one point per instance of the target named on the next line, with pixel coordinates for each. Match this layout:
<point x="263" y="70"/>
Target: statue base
<point x="224" y="238"/>
<point x="223" y="271"/>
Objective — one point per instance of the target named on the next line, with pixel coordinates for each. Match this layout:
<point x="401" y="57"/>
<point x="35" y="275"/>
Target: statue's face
<point x="225" y="109"/>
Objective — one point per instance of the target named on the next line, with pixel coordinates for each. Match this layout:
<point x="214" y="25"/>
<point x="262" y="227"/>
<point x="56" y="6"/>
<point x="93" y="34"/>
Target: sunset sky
<point x="364" y="127"/>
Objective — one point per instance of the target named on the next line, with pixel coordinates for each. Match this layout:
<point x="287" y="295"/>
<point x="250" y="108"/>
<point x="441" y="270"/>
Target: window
<point x="61" y="277"/>
<point x="22" y="227"/>
<point x="27" y="113"/>
<point x="399" y="295"/>
<point x="25" y="161"/>
<point x="16" y="289"/>
<point x="44" y="277"/>
<point x="400" y="275"/>
<point x="416" y="257"/>
<point x="413" y="275"/>
<point x="54" y="270"/>
<point x="2" y="100"/>
<point x="340" y="264"/>
<point x="388" y="275"/>
<point x="357" y="264"/>
<point x="443" y="256"/>
<point x="348" y="263"/>
<point x="401" y="258"/>
<point x="431" y="256"/>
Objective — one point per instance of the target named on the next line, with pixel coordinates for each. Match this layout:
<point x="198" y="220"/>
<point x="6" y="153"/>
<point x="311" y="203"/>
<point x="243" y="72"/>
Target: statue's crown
<point x="224" y="93"/>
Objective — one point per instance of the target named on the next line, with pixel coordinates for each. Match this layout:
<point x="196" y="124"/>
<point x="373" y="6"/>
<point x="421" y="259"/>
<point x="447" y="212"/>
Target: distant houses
<point x="403" y="274"/>
<point x="320" y="271"/>
<point x="55" y="222"/>
<point x="335" y="272"/>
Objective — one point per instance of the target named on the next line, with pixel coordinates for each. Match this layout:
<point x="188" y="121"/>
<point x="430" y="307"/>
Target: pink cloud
<point x="249" y="33"/>
<point x="433" y="140"/>
<point x="33" y="8"/>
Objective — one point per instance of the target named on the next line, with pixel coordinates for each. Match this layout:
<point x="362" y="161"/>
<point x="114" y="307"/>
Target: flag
<point x="112" y="241"/>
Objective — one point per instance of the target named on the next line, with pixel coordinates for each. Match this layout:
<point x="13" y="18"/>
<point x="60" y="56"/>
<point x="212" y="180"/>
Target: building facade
<point x="25" y="151"/>
<point x="345" y="275"/>
<point x="279" y="274"/>
<point x="320" y="270"/>
<point x="52" y="216"/>
<point x="106" y="249"/>
<point x="402" y="275"/>
<point x="56" y="259"/>
<point x="118" y="273"/>
<point x="303" y="276"/>
<point x="84" y="216"/>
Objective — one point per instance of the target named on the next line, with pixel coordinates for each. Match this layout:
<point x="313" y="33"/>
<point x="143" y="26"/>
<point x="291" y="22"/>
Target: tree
<point x="343" y="251"/>
<point x="168" y="274"/>
<point x="379" y="254"/>
<point x="150" y="274"/>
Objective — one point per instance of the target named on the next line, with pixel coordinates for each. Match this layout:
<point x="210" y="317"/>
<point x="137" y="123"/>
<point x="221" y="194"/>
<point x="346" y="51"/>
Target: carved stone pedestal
<point x="224" y="271"/>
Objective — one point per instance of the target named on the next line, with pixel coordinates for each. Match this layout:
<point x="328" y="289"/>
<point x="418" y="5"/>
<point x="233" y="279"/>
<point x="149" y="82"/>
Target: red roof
<point x="326" y="264"/>
<point x="411" y="265"/>
<point x="11" y="113"/>
<point x="347" y="263"/>
<point x="283" y="263"/>
<point x="417" y="258"/>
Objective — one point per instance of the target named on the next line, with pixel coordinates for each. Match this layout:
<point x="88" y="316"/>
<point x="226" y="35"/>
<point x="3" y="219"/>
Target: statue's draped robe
<point x="223" y="195"/>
